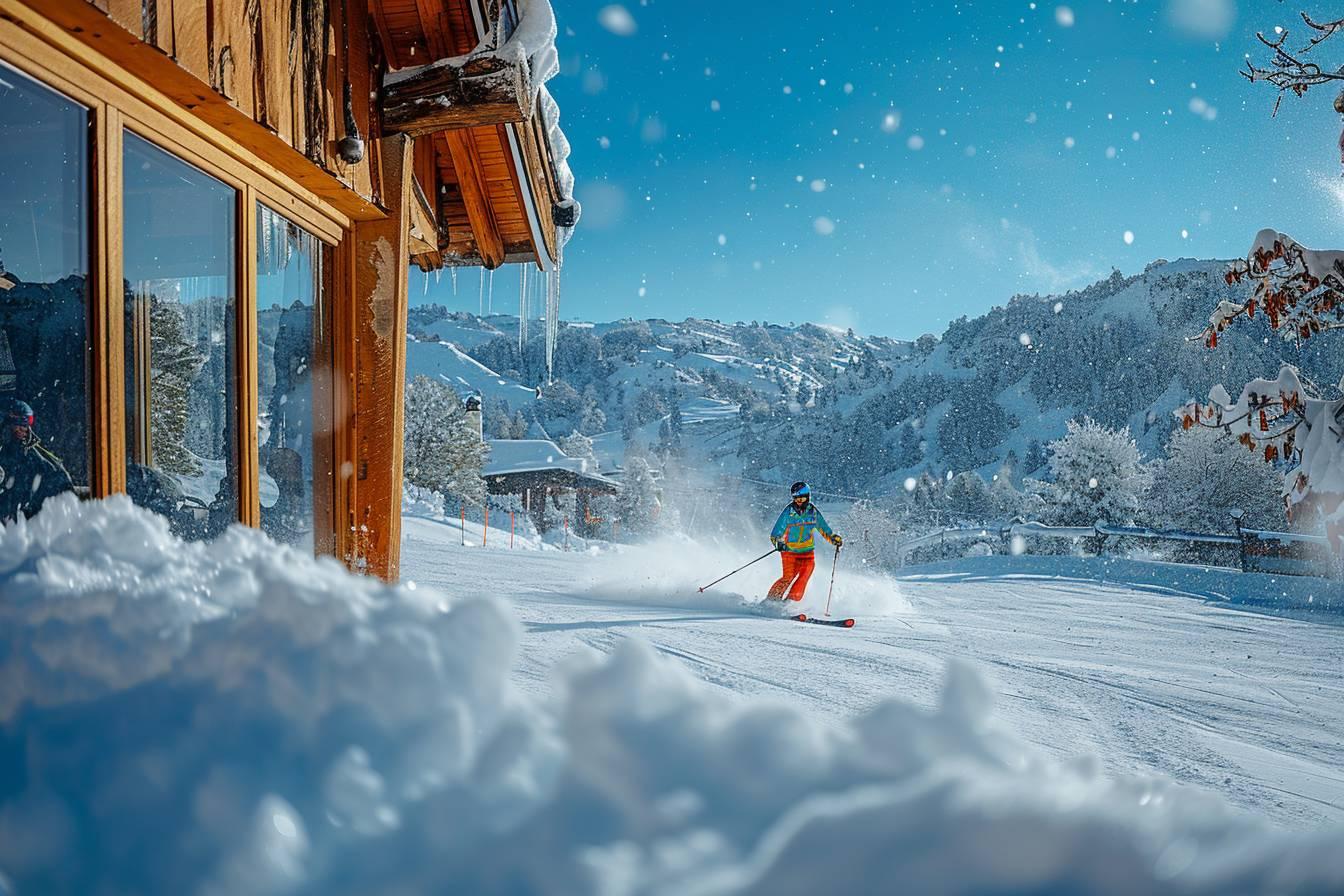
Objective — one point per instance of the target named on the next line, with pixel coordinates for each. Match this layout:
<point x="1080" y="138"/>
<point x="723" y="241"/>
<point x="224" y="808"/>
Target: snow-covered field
<point x="236" y="718"/>
<point x="1143" y="679"/>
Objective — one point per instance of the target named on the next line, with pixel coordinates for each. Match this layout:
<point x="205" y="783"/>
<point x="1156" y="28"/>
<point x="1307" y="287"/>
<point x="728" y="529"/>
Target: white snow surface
<point x="234" y="717"/>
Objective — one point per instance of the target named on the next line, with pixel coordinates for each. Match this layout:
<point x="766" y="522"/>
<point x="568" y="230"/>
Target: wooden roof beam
<point x="461" y="92"/>
<point x="475" y="196"/>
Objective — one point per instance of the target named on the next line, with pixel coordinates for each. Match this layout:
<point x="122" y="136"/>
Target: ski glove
<point x="837" y="540"/>
<point x="779" y="546"/>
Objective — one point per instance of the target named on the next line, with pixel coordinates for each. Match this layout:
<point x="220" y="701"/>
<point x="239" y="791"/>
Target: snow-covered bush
<point x="234" y="717"/>
<point x="1097" y="475"/>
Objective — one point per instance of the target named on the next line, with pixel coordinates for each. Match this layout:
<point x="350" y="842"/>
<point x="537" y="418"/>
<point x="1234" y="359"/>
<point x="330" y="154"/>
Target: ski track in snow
<point x="1247" y="705"/>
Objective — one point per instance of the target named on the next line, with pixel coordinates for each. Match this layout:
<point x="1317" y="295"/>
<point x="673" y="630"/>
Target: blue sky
<point x="891" y="166"/>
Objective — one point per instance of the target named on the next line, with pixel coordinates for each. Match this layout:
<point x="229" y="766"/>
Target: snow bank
<point x="235" y="718"/>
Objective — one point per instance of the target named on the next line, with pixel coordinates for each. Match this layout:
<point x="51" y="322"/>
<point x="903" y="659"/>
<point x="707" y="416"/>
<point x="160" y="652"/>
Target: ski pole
<point x="831" y="589"/>
<point x="739" y="569"/>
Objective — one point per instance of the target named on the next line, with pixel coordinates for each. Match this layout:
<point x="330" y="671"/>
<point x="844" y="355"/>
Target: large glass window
<point x="181" y="331"/>
<point x="44" y="277"/>
<point x="290" y="364"/>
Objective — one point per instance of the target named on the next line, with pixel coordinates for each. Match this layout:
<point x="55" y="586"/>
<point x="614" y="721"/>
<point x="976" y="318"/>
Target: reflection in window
<point x="44" y="268"/>
<point x="181" y="385"/>
<point x="289" y="316"/>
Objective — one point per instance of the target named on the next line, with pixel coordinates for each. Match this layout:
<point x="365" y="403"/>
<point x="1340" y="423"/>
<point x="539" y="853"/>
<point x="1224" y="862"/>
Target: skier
<point x="792" y="537"/>
<point x="29" y="472"/>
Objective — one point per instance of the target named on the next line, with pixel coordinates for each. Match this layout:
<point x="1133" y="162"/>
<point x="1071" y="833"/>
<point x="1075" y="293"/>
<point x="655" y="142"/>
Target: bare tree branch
<point x="1287" y="71"/>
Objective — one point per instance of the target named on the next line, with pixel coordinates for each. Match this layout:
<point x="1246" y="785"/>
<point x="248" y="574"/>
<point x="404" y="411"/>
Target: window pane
<point x="44" y="268"/>
<point x="181" y="327"/>
<point x="289" y="325"/>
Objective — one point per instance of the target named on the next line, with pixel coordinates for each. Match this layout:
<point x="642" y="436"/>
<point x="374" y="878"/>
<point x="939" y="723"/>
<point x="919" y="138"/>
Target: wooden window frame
<point x="59" y="62"/>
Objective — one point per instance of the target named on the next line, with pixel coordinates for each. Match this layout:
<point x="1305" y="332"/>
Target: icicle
<point x="490" y="296"/>
<point x="425" y="291"/>
<point x="452" y="275"/>
<point x="522" y="308"/>
<point x="479" y="299"/>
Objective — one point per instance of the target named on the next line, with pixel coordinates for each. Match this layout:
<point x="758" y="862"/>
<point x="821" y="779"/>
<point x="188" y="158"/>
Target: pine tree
<point x="175" y="364"/>
<point x="1035" y="458"/>
<point x="443" y="453"/>
<point x="638" y="501"/>
<point x="968" y="499"/>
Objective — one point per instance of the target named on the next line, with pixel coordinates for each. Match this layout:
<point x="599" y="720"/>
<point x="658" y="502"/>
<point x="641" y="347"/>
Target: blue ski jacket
<point x="794" y="528"/>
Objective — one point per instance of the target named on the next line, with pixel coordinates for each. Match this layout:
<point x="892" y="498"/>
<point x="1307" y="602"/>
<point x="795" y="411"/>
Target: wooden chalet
<point x="538" y="470"/>
<point x="220" y="200"/>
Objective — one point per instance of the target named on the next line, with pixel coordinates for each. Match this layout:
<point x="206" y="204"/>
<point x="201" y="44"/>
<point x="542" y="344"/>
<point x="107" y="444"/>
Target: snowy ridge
<point x="233" y="717"/>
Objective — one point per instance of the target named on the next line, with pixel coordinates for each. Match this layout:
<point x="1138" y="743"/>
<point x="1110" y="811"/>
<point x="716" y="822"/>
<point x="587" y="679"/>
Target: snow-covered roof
<point x="508" y="456"/>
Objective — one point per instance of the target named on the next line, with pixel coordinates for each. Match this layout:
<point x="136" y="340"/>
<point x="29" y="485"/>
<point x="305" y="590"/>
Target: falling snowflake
<point x="824" y="226"/>
<point x="1064" y="16"/>
<point x="910" y="483"/>
<point x="891" y="122"/>
<point x="1129" y="237"/>
<point x="915" y="142"/>
<point x="617" y="19"/>
<point x="818" y="185"/>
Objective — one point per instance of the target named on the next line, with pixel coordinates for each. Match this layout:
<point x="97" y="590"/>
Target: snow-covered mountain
<point x="859" y="414"/>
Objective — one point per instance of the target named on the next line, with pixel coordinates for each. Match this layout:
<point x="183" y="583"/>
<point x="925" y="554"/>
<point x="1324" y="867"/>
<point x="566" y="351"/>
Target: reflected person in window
<point x="29" y="472"/>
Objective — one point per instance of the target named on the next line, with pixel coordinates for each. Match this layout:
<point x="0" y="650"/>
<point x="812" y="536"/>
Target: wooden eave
<point x="136" y="64"/>
<point x="486" y="214"/>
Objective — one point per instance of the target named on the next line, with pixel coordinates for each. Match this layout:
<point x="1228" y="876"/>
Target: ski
<point x="839" y="623"/>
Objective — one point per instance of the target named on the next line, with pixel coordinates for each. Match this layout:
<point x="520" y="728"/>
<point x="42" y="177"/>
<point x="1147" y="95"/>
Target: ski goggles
<point x="21" y="419"/>
<point x="801" y="493"/>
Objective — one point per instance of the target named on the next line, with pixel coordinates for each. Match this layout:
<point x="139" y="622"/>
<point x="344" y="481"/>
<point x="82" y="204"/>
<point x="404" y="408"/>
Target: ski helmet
<point x="800" y="490"/>
<point x="19" y="413"/>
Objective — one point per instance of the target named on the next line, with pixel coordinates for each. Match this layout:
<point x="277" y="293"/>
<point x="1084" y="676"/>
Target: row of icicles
<point x="534" y="287"/>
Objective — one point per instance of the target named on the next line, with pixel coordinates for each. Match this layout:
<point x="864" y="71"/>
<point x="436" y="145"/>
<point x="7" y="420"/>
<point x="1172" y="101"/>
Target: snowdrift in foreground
<point x="234" y="718"/>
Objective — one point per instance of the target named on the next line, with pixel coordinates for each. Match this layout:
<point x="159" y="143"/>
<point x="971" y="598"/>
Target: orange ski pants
<point x="797" y="570"/>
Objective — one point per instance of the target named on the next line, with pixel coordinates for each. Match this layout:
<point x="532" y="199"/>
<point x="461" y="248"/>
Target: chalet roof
<point x="514" y="456"/>
<point x="504" y="189"/>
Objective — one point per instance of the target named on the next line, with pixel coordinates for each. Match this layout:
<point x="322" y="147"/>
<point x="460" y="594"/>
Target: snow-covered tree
<point x="968" y="499"/>
<point x="1205" y="476"/>
<point x="175" y="362"/>
<point x="1005" y="500"/>
<point x="1288" y="418"/>
<point x="578" y="445"/>
<point x="443" y="452"/>
<point x="1097" y="474"/>
<point x="638" y="503"/>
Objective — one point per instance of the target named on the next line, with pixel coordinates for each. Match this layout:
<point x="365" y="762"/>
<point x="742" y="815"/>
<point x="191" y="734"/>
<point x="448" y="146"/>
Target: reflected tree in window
<point x="181" y="330"/>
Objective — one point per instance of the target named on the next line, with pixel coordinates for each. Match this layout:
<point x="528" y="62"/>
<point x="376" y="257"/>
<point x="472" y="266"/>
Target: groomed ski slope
<point x="1143" y="679"/>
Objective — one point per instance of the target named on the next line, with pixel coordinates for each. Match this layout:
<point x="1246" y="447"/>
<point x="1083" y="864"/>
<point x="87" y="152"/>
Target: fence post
<point x="510" y="530"/>
<point x="1237" y="514"/>
<point x="462" y="525"/>
<point x="566" y="533"/>
<point x="485" y="530"/>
